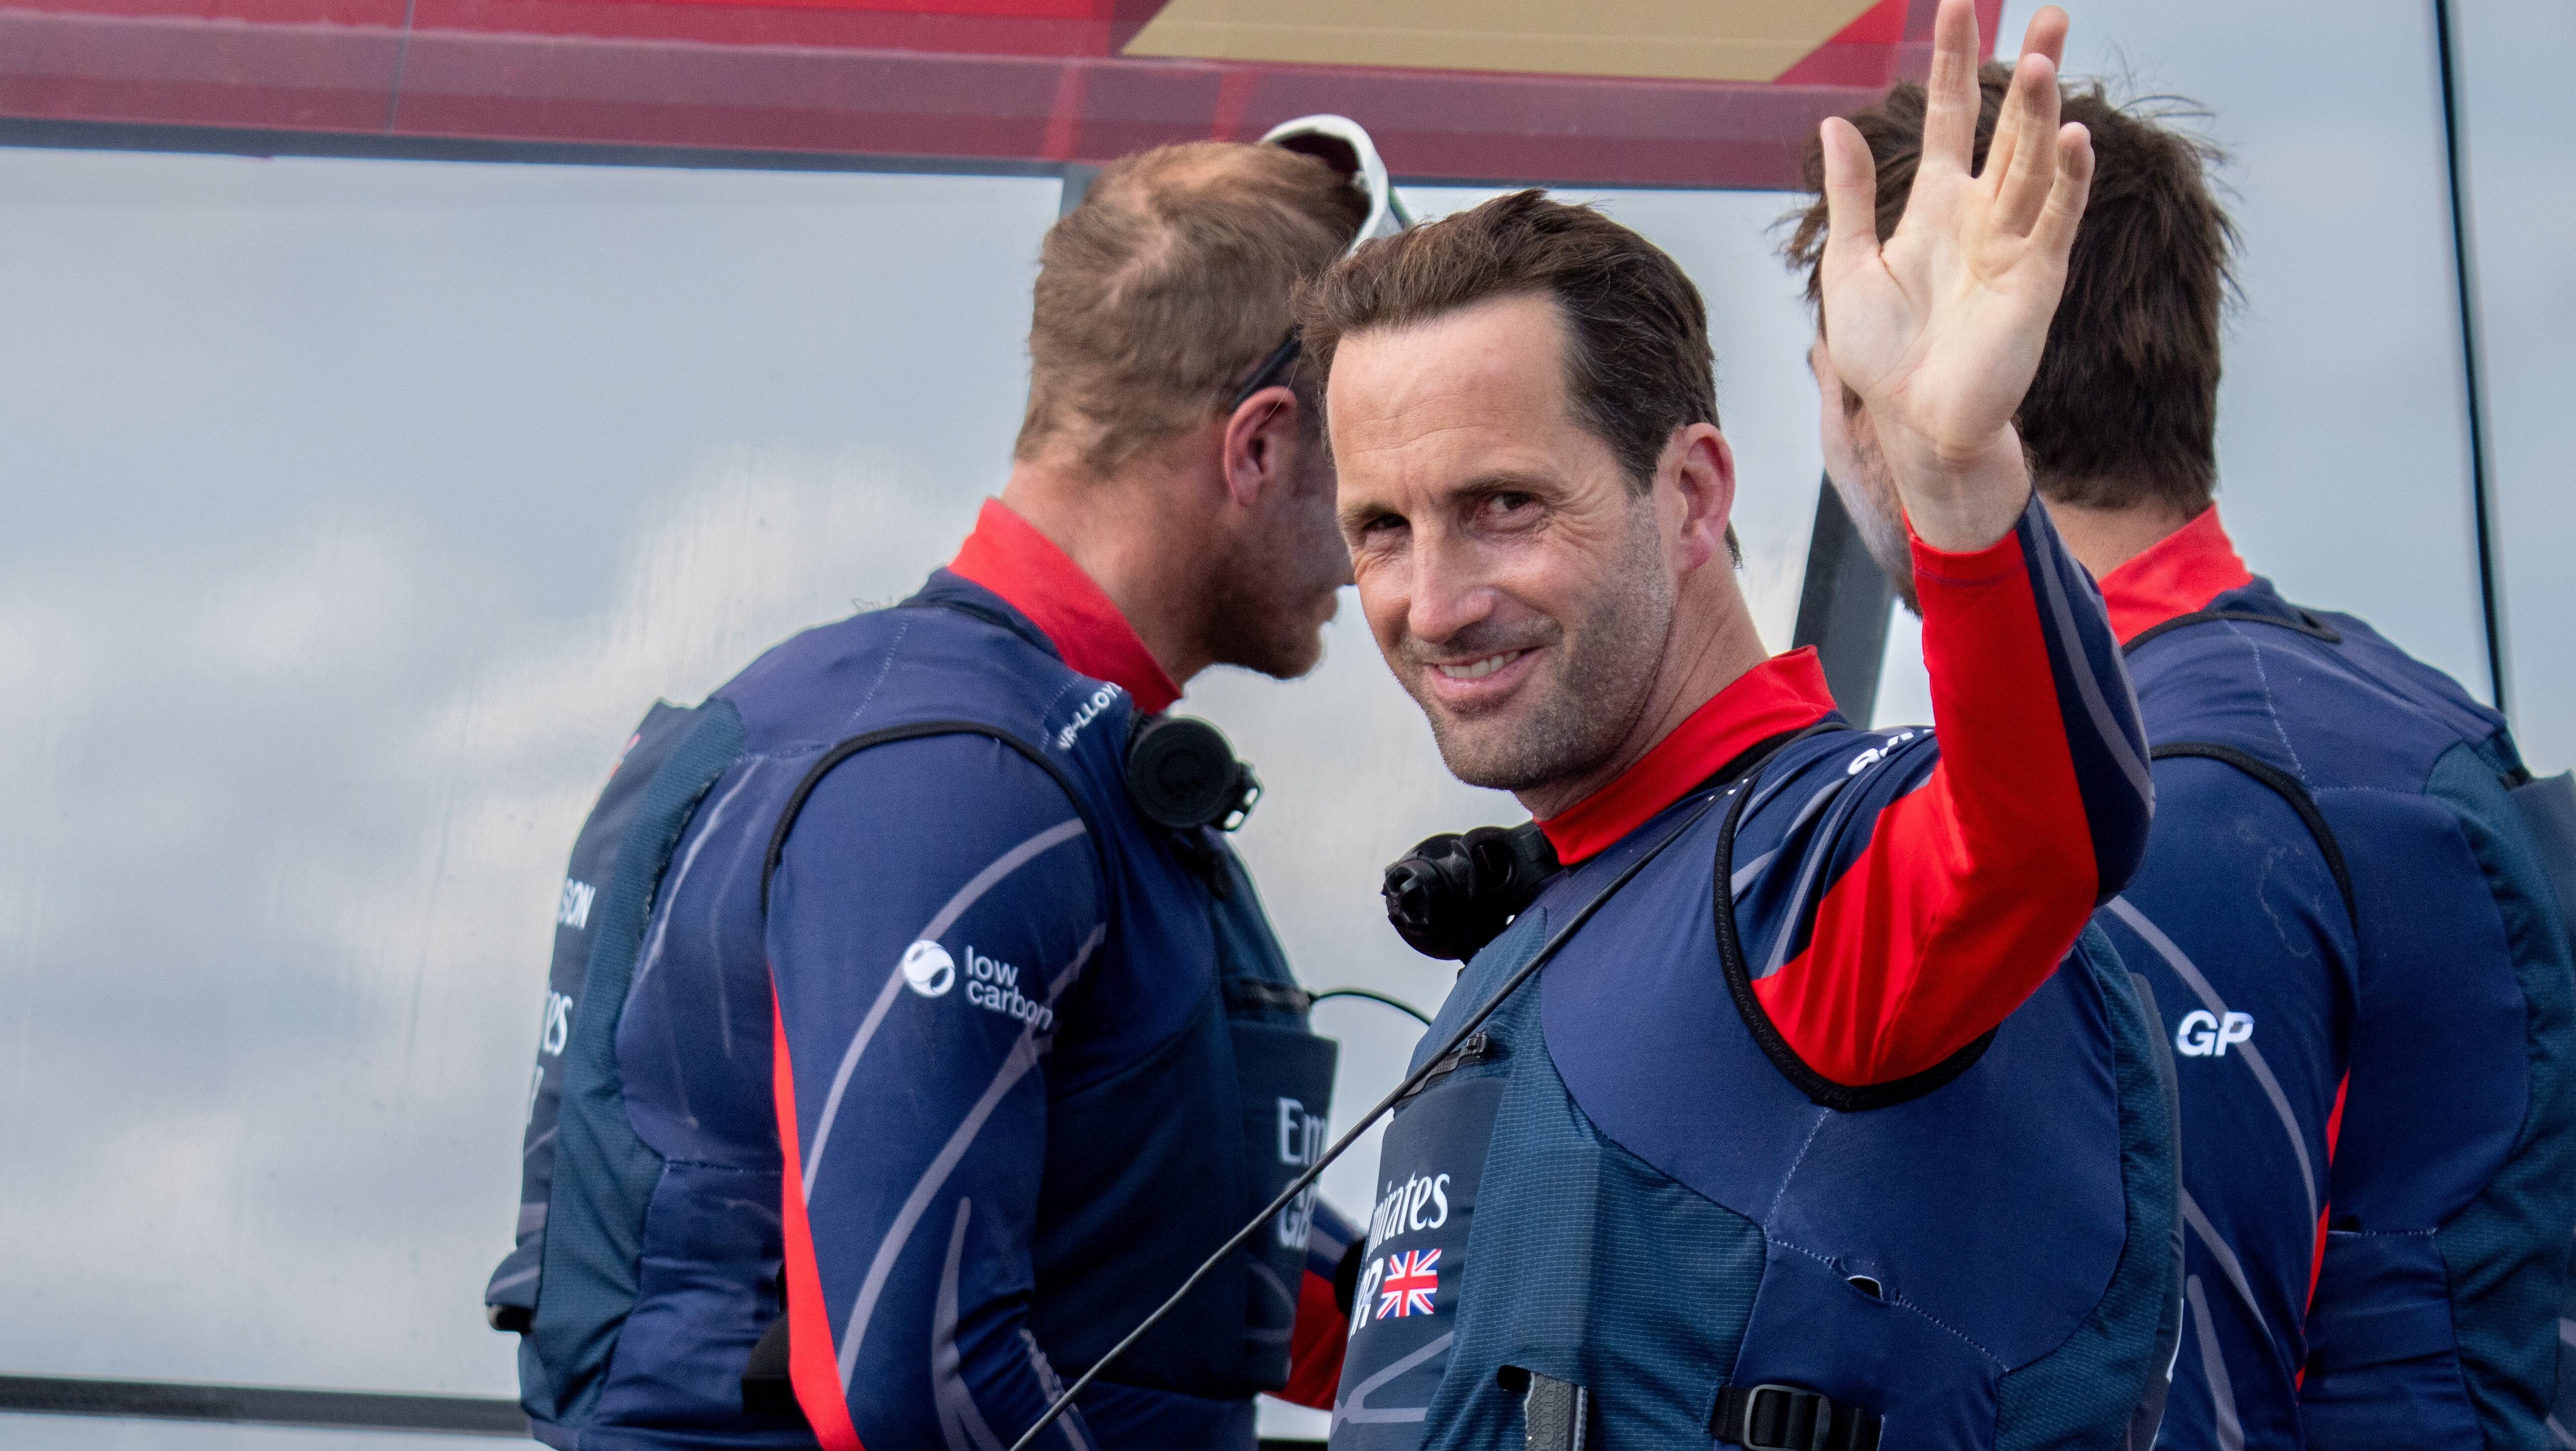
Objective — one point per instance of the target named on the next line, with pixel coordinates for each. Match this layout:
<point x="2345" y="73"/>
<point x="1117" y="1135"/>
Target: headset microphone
<point x="1182" y="774"/>
<point x="1454" y="893"/>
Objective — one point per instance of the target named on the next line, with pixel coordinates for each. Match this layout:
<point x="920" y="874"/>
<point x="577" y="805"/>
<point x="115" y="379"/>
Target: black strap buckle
<point x="1786" y="1418"/>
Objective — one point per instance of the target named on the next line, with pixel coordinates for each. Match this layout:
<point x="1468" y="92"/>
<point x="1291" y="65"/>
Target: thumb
<point x="1851" y="199"/>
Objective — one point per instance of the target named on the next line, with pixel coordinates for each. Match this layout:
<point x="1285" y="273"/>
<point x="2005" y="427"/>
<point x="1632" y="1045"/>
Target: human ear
<point x="1257" y="439"/>
<point x="1700" y="465"/>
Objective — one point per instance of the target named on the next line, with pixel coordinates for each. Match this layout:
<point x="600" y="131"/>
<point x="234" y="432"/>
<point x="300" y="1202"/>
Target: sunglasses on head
<point x="1342" y="144"/>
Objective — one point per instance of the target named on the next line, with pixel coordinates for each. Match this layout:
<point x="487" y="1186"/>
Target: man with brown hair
<point x="917" y="1029"/>
<point x="2361" y="966"/>
<point x="1821" y="1129"/>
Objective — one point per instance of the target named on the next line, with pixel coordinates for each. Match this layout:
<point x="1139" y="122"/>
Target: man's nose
<point x="1448" y="592"/>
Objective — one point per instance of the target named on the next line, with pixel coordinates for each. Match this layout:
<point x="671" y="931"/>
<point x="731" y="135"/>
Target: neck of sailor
<point x="1711" y="641"/>
<point x="2104" y="537"/>
<point x="1144" y="531"/>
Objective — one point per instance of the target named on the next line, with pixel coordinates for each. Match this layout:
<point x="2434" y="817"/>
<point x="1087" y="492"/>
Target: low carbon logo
<point x="929" y="968"/>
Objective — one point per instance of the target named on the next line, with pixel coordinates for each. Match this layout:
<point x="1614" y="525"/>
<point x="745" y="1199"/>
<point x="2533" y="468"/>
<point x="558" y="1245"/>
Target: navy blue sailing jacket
<point x="2365" y="980"/>
<point x="886" y="1006"/>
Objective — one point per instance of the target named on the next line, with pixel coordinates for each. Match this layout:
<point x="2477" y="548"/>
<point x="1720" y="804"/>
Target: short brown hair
<point x="1167" y="285"/>
<point x="2124" y="410"/>
<point x="1637" y="360"/>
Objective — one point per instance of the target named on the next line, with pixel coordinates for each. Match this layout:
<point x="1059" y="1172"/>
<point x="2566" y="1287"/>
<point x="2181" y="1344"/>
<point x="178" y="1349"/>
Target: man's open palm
<point x="1939" y="329"/>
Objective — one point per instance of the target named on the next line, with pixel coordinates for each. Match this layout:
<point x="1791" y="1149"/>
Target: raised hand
<point x="1939" y="329"/>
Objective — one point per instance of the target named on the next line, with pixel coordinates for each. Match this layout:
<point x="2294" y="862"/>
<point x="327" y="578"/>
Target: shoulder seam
<point x="797" y="798"/>
<point x="1899" y="1301"/>
<point x="2271" y="707"/>
<point x="885" y="667"/>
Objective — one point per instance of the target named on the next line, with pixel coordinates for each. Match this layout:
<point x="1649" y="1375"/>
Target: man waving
<point x="1814" y="1132"/>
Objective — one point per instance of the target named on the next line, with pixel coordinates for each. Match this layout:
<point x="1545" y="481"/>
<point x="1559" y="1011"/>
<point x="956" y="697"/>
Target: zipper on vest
<point x="1480" y="1047"/>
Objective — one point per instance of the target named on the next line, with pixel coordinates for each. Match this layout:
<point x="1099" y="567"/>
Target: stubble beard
<point x="1870" y="500"/>
<point x="1605" y="665"/>
<point x="1268" y="601"/>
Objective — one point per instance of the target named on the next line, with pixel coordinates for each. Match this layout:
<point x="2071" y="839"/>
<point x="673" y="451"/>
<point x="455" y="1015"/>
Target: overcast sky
<point x="357" y="510"/>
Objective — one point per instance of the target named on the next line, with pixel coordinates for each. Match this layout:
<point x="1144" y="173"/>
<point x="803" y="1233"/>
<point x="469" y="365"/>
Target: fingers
<point x="2055" y="231"/>
<point x="1851" y="199"/>
<point x="2046" y="36"/>
<point x="1950" y="96"/>
<point x="2000" y="150"/>
<point x="2027" y="186"/>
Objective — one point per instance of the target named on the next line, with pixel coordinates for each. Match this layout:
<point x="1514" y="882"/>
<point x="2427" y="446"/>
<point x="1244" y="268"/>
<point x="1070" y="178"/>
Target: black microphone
<point x="1454" y="893"/>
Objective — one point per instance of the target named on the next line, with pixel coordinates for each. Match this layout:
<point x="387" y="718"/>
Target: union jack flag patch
<point x="1412" y="1278"/>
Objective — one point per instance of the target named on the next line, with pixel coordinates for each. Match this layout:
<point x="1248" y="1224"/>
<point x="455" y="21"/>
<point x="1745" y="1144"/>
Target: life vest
<point x="1614" y="1218"/>
<point x="2448" y="1204"/>
<point x="1144" y="1175"/>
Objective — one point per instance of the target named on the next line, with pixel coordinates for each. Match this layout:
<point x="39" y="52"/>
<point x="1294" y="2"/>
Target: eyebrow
<point x="1502" y="483"/>
<point x="1358" y="514"/>
<point x="1480" y="487"/>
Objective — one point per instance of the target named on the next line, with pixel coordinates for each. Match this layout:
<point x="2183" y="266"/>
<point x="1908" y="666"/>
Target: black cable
<point x="2464" y="270"/>
<point x="1399" y="1004"/>
<point x="1411" y="1081"/>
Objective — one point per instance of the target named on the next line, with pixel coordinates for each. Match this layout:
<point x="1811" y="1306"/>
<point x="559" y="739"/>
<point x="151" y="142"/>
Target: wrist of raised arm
<point x="1963" y="501"/>
<point x="1938" y="567"/>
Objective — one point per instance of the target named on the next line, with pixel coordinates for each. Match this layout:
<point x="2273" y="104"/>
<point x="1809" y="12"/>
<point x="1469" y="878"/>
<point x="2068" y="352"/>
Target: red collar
<point x="2178" y="574"/>
<point x="1007" y="555"/>
<point x="1784" y="693"/>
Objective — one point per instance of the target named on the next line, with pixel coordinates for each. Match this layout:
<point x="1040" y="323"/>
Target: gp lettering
<point x="2204" y="1034"/>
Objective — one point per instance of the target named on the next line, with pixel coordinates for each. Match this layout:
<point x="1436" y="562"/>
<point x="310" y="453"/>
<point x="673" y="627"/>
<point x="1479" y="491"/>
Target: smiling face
<point x="1513" y="574"/>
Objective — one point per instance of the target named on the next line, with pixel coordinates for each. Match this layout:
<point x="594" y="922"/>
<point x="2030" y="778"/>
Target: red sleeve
<point x="1315" y="1347"/>
<point x="811" y="1369"/>
<point x="1970" y="887"/>
<point x="1323" y="1328"/>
